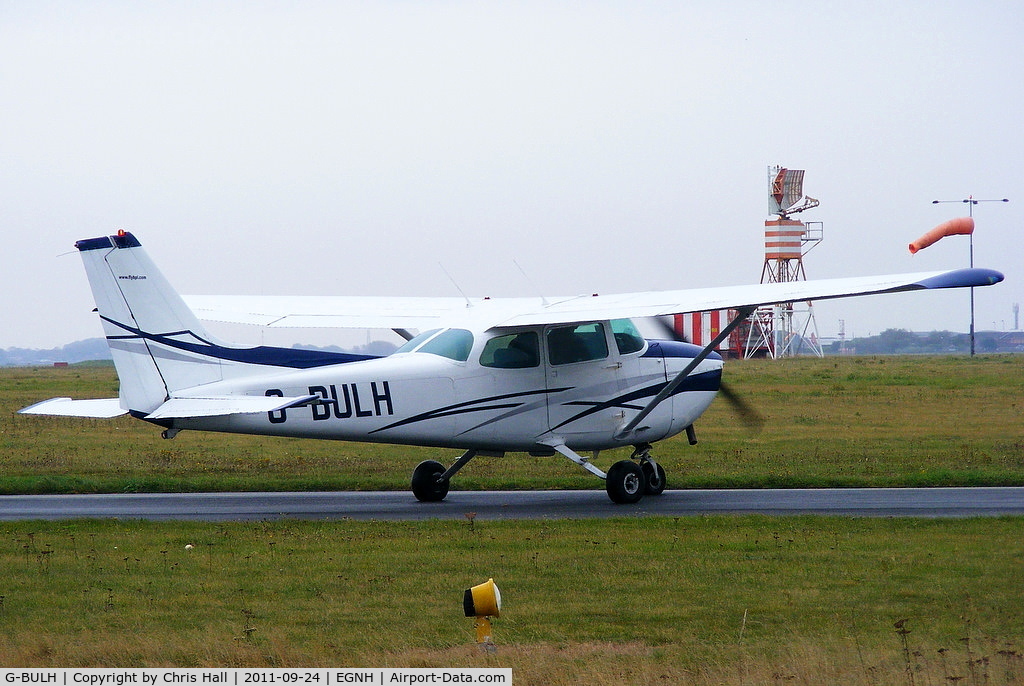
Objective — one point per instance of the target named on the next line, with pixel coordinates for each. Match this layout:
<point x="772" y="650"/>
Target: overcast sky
<point x="351" y="147"/>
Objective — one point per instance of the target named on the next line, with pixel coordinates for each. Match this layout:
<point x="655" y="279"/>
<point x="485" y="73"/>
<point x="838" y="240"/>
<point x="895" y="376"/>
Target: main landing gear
<point x="430" y="480"/>
<point x="427" y="484"/>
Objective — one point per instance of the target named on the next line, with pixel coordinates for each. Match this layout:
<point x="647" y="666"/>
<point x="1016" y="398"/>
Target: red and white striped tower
<point x="786" y="329"/>
<point x="700" y="328"/>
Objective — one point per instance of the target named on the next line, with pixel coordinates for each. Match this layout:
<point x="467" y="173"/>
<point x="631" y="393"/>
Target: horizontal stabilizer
<point x="219" y="406"/>
<point x="103" y="408"/>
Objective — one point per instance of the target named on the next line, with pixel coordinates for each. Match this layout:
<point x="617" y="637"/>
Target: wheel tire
<point x="425" y="485"/>
<point x="654" y="478"/>
<point x="625" y="482"/>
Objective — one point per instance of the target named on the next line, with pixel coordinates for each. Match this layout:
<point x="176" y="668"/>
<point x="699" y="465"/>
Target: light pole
<point x="971" y="202"/>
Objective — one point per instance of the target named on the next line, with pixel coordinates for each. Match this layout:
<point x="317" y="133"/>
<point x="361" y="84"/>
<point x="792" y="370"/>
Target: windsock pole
<point x="971" y="202"/>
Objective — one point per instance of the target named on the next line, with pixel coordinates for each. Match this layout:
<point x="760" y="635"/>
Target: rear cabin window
<point x="580" y="343"/>
<point x="512" y="351"/>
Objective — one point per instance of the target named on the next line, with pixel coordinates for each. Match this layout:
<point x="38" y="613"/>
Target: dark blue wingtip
<point x="962" y="278"/>
<point x="122" y="239"/>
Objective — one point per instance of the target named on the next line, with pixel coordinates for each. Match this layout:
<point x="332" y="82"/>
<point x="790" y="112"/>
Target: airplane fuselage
<point x="433" y="398"/>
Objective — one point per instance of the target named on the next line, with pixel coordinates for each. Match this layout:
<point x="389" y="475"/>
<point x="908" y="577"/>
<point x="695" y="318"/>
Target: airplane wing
<point x="425" y="313"/>
<point x="663" y="303"/>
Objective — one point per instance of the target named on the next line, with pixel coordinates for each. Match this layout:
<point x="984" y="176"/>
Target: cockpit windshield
<point x="455" y="344"/>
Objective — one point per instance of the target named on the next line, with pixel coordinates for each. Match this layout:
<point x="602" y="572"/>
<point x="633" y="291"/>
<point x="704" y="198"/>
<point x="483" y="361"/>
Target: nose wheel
<point x="625" y="482"/>
<point x="628" y="481"/>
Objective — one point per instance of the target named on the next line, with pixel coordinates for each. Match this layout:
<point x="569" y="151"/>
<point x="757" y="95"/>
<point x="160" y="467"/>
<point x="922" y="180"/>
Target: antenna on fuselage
<point x="455" y="283"/>
<point x="543" y="300"/>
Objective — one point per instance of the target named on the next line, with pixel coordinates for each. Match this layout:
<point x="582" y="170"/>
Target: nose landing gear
<point x="629" y="480"/>
<point x="654" y="473"/>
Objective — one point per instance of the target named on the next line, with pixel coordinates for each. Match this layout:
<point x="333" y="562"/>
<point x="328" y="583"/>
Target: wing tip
<point x="962" y="278"/>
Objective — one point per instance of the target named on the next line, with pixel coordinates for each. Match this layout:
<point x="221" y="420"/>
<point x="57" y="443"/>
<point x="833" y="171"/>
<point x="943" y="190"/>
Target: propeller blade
<point x="747" y="413"/>
<point x="669" y="330"/>
<point x="668" y="389"/>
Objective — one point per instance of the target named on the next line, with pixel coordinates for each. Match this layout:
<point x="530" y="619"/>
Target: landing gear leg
<point x="654" y="473"/>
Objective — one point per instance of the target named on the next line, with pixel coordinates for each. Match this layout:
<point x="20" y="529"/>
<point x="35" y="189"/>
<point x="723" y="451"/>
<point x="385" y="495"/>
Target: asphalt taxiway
<point x="495" y="505"/>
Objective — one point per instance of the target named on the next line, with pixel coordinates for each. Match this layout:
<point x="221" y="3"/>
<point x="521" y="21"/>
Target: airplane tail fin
<point x="156" y="341"/>
<point x="160" y="349"/>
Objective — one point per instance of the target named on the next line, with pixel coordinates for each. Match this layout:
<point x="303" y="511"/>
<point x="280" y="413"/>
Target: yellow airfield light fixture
<point x="483" y="601"/>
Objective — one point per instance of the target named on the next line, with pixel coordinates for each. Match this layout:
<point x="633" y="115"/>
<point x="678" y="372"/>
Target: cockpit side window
<point x="627" y="337"/>
<point x="455" y="344"/>
<point x="578" y="343"/>
<point x="512" y="351"/>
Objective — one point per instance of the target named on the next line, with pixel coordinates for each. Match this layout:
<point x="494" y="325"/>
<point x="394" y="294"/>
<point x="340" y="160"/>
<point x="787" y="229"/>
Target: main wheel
<point x="654" y="478"/>
<point x="425" y="485"/>
<point x="625" y="482"/>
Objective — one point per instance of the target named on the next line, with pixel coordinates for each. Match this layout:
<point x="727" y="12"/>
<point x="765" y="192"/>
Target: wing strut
<point x="670" y="387"/>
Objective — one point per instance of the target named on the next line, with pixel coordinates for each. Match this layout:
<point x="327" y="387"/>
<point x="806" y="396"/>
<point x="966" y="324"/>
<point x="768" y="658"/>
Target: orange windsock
<point x="961" y="226"/>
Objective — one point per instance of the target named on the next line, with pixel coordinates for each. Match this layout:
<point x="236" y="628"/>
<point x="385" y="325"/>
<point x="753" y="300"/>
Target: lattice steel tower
<point x="787" y="329"/>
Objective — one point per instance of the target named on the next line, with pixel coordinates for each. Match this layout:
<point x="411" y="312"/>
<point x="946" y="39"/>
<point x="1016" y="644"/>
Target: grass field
<point x="885" y="421"/>
<point x="701" y="600"/>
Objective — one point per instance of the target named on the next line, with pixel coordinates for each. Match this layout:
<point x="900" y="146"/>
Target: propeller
<point x="748" y="414"/>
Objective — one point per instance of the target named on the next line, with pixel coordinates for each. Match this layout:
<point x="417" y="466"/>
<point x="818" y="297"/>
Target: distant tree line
<point x="903" y="342"/>
<point x="79" y="351"/>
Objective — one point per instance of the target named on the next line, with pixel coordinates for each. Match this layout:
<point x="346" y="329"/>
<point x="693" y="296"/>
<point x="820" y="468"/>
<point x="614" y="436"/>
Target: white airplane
<point x="486" y="376"/>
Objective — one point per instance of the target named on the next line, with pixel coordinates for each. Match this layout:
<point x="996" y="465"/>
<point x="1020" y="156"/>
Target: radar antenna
<point x="787" y="196"/>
